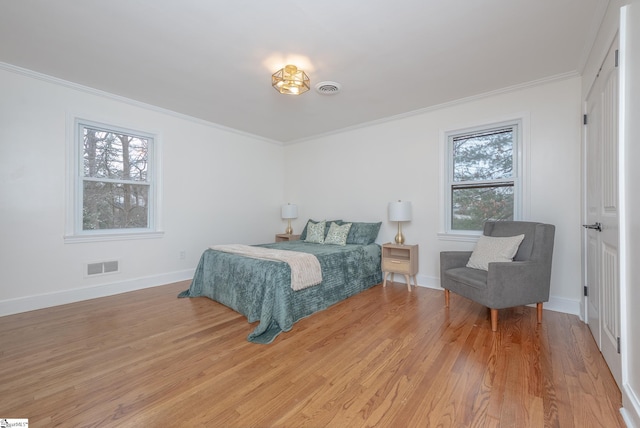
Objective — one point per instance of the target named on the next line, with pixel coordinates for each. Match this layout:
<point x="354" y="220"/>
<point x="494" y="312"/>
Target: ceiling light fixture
<point x="290" y="81"/>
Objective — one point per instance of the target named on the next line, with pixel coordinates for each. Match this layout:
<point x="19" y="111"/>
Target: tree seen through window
<point x="116" y="184"/>
<point x="482" y="180"/>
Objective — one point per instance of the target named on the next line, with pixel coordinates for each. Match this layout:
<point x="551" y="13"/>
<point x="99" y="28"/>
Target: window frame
<point x="74" y="225"/>
<point x="519" y="185"/>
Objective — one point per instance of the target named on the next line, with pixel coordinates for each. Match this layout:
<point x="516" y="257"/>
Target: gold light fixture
<point x="290" y="81"/>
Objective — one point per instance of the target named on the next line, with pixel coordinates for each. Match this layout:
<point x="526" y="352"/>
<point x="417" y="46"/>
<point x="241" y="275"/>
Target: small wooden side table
<point x="402" y="259"/>
<point x="280" y="237"/>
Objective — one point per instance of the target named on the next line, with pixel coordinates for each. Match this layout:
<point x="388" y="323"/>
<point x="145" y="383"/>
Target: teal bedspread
<point x="261" y="289"/>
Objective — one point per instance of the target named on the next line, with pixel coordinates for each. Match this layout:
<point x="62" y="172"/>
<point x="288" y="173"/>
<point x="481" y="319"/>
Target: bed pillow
<point x="303" y="235"/>
<point x="315" y="232"/>
<point x="490" y="249"/>
<point x="337" y="234"/>
<point x="363" y="233"/>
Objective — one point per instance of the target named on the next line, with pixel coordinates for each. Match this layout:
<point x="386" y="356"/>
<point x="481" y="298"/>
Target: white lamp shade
<point x="289" y="211"/>
<point x="400" y="211"/>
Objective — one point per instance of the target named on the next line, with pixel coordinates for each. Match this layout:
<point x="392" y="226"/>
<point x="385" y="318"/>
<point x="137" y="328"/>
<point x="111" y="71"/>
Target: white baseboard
<point x="631" y="407"/>
<point x="556" y="304"/>
<point x="560" y="304"/>
<point x="30" y="303"/>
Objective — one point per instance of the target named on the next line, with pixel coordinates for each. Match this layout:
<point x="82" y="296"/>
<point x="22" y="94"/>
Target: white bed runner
<point x="305" y="268"/>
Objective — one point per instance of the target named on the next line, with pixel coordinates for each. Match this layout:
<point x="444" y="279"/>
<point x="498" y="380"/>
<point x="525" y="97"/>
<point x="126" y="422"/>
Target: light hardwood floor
<point x="385" y="357"/>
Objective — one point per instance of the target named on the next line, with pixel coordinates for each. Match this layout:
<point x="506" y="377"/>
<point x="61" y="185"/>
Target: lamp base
<point x="289" y="230"/>
<point x="400" y="236"/>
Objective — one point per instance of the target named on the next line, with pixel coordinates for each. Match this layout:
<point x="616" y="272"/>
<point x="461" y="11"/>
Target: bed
<point x="261" y="289"/>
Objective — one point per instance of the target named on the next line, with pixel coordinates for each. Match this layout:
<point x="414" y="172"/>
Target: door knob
<point x="597" y="226"/>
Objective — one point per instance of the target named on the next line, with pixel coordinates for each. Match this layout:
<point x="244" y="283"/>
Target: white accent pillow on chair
<point x="490" y="249"/>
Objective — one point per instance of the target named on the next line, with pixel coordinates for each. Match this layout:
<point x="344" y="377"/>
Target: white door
<point x="601" y="231"/>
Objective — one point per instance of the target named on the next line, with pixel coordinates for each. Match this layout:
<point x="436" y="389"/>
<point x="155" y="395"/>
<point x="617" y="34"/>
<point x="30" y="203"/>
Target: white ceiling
<point x="213" y="60"/>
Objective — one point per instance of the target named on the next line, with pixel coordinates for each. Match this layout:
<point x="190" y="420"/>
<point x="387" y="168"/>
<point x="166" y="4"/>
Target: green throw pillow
<point x="337" y="234"/>
<point x="315" y="232"/>
<point x="303" y="234"/>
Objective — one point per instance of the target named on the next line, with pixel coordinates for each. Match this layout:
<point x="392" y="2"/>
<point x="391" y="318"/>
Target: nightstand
<point x="402" y="259"/>
<point x="280" y="237"/>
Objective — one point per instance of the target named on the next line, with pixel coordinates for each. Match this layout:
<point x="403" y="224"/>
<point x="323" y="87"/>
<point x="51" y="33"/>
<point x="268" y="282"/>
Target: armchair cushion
<point x="490" y="249"/>
<point x="475" y="278"/>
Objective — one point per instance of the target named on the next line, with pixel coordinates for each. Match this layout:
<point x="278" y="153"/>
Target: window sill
<point x="459" y="237"/>
<point x="105" y="237"/>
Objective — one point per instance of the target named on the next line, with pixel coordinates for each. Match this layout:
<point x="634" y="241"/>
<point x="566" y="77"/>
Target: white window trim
<point x="521" y="184"/>
<point x="73" y="218"/>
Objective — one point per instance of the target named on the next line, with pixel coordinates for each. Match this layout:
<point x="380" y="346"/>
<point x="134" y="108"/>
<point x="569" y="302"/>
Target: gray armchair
<point x="524" y="281"/>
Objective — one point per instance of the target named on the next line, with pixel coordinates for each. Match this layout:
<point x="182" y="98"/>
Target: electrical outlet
<point x="183" y="254"/>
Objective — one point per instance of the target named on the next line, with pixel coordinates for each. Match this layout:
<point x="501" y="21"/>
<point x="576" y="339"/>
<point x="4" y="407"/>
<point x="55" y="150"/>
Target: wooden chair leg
<point x="539" y="308"/>
<point x="494" y="320"/>
<point x="446" y="298"/>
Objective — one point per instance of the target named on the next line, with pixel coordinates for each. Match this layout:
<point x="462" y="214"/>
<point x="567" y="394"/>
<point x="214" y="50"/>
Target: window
<point x="115" y="182"/>
<point x="482" y="176"/>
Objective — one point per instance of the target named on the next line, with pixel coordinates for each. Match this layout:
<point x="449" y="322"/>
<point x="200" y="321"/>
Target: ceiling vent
<point x="328" y="87"/>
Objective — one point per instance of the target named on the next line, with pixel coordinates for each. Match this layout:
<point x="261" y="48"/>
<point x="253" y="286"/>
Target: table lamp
<point x="400" y="211"/>
<point x="288" y="212"/>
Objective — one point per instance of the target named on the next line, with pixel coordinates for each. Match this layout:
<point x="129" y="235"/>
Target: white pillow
<point x="494" y="249"/>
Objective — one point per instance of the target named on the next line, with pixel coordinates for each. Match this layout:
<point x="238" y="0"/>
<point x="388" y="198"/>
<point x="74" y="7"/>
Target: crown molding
<point x="97" y="92"/>
<point x="108" y="95"/>
<point x="505" y="90"/>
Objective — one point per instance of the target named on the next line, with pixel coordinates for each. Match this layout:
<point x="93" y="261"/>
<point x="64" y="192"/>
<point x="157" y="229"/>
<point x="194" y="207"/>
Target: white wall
<point x="630" y="225"/>
<point x="219" y="186"/>
<point x="354" y="174"/>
